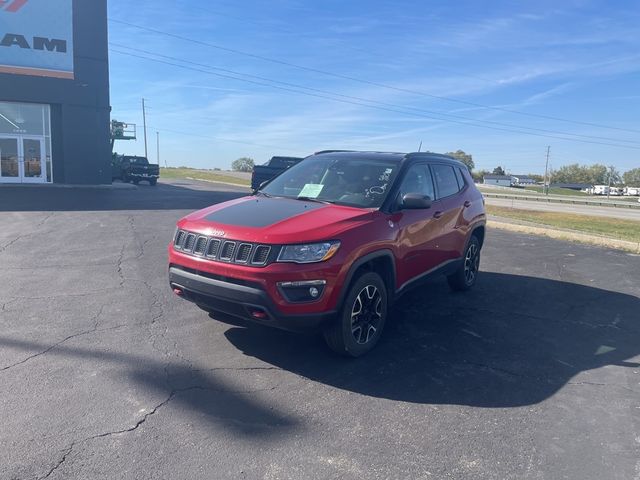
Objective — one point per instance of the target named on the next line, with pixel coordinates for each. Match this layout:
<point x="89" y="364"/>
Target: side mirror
<point x="415" y="201"/>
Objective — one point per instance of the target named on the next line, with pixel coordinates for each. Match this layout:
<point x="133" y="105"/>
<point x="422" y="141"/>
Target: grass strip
<point x="210" y="175"/>
<point x="608" y="227"/>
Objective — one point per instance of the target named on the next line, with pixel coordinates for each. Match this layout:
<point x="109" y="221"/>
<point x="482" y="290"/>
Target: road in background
<point x="611" y="212"/>
<point x="105" y="373"/>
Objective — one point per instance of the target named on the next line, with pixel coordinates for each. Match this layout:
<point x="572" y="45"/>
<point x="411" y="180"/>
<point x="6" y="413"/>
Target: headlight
<point x="309" y="253"/>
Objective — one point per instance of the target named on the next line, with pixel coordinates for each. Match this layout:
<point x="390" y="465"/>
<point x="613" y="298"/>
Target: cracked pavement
<point x="104" y="373"/>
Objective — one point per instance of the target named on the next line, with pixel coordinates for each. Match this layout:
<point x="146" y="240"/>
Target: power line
<point x="386" y="104"/>
<point x="364" y="81"/>
<point x="220" y="139"/>
<point x="358" y="102"/>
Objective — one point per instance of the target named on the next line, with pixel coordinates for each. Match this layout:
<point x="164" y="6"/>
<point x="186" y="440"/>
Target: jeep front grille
<point x="222" y="250"/>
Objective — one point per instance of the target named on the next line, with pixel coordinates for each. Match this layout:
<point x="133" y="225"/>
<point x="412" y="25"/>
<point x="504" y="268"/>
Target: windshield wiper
<point x="311" y="199"/>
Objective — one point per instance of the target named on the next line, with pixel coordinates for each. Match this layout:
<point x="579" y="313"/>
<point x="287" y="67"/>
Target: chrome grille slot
<point x="201" y="245"/>
<point x="213" y="247"/>
<point x="227" y="250"/>
<point x="179" y="240"/>
<point x="243" y="253"/>
<point x="261" y="255"/>
<point x="189" y="241"/>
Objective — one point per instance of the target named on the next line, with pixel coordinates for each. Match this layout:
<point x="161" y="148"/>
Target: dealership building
<point x="54" y="92"/>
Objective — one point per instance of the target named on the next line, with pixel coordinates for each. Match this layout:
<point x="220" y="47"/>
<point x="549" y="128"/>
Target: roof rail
<point x="332" y="151"/>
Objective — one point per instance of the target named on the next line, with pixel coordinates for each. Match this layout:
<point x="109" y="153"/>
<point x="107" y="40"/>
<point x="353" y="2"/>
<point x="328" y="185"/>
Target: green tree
<point x="244" y="164"/>
<point x="498" y="171"/>
<point x="596" y="174"/>
<point x="536" y="177"/>
<point x="632" y="178"/>
<point x="479" y="175"/>
<point x="465" y="158"/>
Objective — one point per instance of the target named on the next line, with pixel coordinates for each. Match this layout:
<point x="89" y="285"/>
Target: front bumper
<point x="241" y="299"/>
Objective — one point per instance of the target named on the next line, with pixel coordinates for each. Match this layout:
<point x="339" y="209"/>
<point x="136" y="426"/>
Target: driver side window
<point x="418" y="180"/>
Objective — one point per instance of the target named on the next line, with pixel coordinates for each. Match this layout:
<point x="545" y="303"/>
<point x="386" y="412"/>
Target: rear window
<point x="446" y="180"/>
<point x="460" y="176"/>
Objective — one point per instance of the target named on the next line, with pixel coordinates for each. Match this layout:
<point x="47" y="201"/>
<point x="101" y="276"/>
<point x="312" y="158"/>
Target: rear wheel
<point x="135" y="181"/>
<point x="153" y="182"/>
<point x="361" y="319"/>
<point x="465" y="277"/>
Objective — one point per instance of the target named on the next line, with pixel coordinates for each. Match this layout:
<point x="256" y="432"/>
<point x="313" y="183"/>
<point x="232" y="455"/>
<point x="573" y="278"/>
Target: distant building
<point x="499" y="180"/>
<point x="522" y="180"/>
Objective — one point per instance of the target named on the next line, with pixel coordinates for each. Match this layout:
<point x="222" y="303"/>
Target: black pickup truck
<point x="130" y="168"/>
<point x="274" y="167"/>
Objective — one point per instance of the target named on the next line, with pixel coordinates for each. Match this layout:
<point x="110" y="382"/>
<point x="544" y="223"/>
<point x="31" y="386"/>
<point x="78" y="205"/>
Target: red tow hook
<point x="178" y="291"/>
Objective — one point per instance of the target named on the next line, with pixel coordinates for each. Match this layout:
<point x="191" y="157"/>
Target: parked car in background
<point x="274" y="167"/>
<point x="131" y="168"/>
<point x="330" y="244"/>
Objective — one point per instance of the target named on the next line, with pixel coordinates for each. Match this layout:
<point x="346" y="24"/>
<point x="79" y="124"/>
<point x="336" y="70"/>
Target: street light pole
<point x="144" y="123"/>
<point x="546" y="170"/>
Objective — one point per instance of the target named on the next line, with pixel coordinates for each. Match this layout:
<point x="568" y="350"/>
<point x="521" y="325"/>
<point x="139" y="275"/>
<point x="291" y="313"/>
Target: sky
<point x="501" y="80"/>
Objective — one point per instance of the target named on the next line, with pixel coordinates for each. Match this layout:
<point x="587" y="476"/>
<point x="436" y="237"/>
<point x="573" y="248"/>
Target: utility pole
<point x="144" y="123"/>
<point x="420" y="147"/>
<point x="610" y="175"/>
<point x="546" y="171"/>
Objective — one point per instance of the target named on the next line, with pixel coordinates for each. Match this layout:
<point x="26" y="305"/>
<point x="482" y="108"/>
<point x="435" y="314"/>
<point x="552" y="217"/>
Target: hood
<point x="275" y="220"/>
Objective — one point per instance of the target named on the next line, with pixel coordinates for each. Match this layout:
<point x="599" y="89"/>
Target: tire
<point x="368" y="293"/>
<point x="153" y="182"/>
<point x="465" y="277"/>
<point x="135" y="181"/>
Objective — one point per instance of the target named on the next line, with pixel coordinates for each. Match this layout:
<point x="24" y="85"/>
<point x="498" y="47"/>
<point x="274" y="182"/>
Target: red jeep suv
<point x="332" y="242"/>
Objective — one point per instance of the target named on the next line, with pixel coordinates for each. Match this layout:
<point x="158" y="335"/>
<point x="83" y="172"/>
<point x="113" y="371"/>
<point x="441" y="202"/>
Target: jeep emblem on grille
<point x="217" y="233"/>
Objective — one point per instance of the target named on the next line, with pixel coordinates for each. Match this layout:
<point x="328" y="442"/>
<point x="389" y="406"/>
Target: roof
<point x="497" y="177"/>
<point x="523" y="176"/>
<point x="389" y="156"/>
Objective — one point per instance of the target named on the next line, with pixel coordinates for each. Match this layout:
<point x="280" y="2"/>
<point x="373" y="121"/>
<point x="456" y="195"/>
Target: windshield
<point x="358" y="182"/>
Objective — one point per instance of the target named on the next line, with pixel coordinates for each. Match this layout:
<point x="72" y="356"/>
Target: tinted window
<point x="446" y="180"/>
<point x="417" y="180"/>
<point x="460" y="177"/>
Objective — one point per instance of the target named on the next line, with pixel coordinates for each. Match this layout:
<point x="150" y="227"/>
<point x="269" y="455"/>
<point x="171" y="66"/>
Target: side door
<point x="449" y="210"/>
<point x="417" y="249"/>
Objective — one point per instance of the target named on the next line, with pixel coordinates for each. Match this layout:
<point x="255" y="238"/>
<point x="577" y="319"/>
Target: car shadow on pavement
<point x="204" y="394"/>
<point x="511" y="341"/>
<point x="164" y="196"/>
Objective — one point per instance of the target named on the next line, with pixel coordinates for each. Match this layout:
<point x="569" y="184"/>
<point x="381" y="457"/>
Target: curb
<point x="113" y="186"/>
<point x="216" y="181"/>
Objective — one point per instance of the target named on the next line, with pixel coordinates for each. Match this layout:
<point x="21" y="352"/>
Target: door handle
<point x="437" y="215"/>
<point x="467" y="204"/>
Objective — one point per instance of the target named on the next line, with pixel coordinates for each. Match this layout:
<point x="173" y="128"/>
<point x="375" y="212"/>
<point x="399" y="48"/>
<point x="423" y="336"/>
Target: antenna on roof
<point x="420" y="147"/>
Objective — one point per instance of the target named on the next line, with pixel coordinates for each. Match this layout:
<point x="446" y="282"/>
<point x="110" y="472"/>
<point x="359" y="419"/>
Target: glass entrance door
<point x="22" y="159"/>
<point x="32" y="160"/>
<point x="9" y="160"/>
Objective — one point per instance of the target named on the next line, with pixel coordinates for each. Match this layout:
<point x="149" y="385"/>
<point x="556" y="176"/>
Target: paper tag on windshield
<point x="311" y="190"/>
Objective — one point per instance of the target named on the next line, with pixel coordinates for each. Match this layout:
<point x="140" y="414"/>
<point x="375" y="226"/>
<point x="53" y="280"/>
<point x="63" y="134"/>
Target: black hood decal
<point x="261" y="212"/>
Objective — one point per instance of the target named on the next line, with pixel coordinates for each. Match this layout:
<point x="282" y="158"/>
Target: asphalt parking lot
<point x="104" y="373"/>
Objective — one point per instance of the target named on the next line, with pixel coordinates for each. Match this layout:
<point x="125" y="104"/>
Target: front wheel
<point x="361" y="319"/>
<point x="465" y="277"/>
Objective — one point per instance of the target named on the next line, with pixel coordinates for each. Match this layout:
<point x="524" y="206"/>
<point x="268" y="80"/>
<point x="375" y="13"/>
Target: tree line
<point x="596" y="174"/>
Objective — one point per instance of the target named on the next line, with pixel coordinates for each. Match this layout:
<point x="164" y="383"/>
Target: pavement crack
<point x="598" y="384"/>
<point x="66" y="453"/>
<point x="95" y="319"/>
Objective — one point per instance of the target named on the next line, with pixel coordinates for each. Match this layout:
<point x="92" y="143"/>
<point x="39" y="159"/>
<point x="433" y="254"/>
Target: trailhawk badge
<point x="217" y="233"/>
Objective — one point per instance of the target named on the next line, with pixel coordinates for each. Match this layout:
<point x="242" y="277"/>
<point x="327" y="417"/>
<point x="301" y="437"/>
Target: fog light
<point x="301" y="291"/>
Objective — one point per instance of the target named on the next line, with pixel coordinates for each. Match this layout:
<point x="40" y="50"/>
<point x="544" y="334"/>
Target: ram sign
<point x="36" y="37"/>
